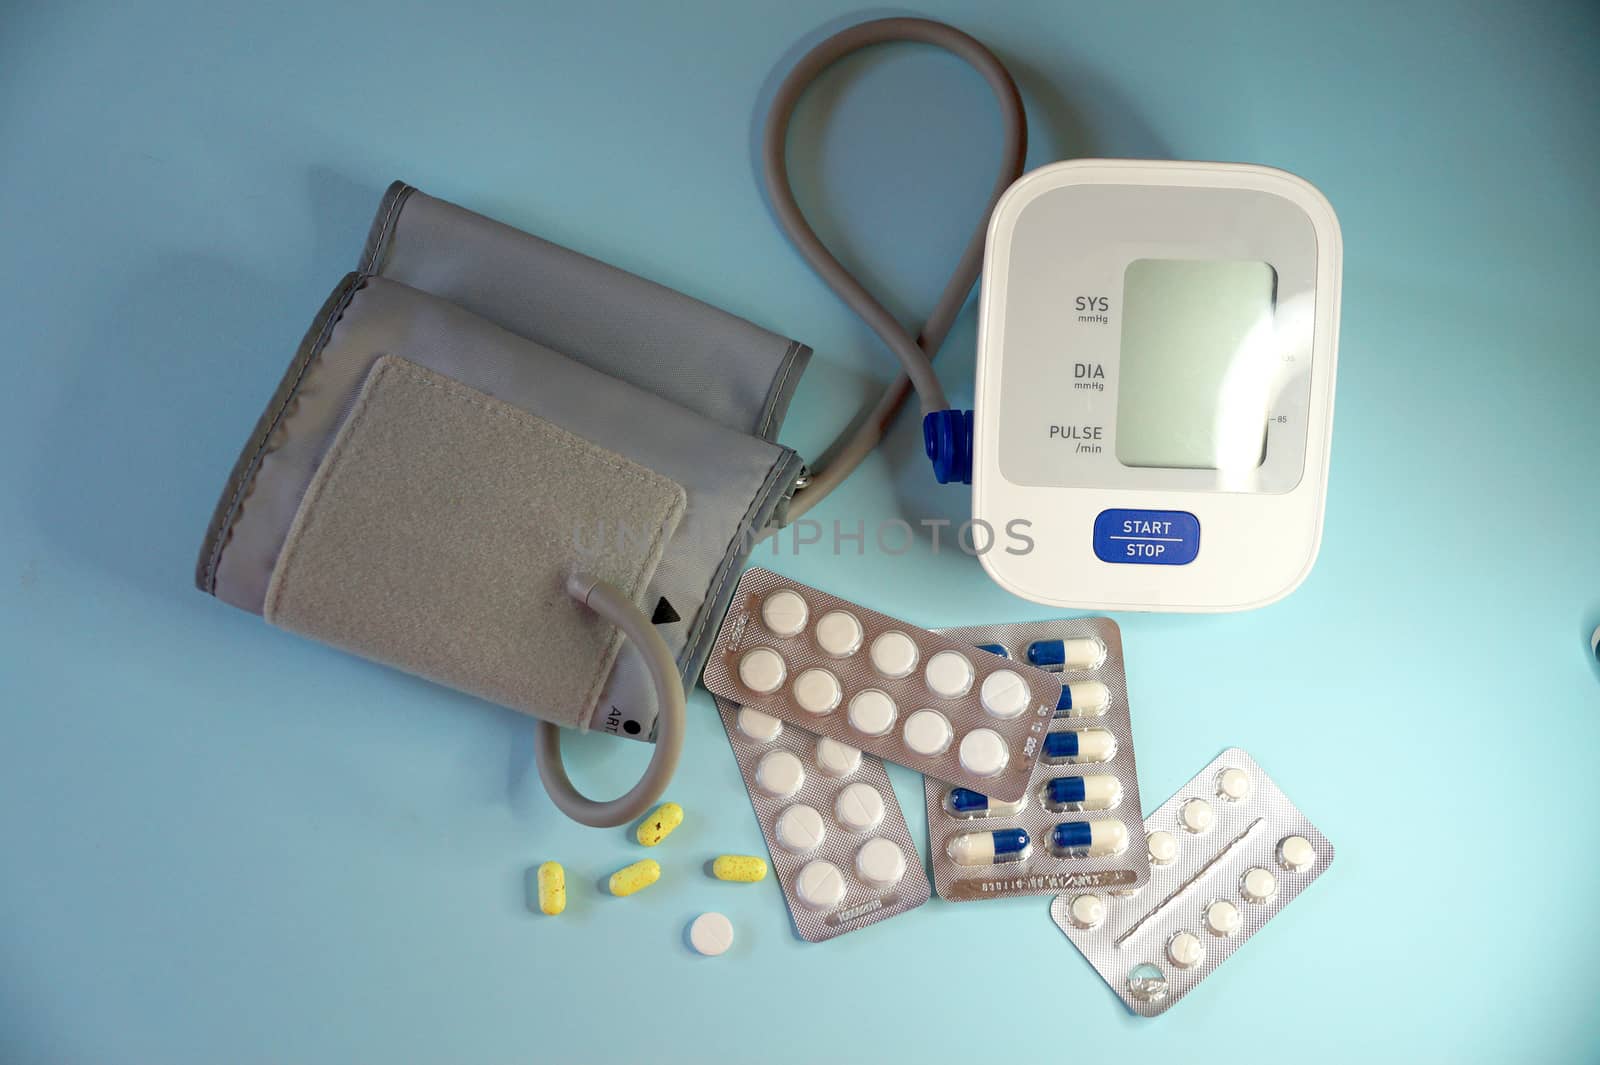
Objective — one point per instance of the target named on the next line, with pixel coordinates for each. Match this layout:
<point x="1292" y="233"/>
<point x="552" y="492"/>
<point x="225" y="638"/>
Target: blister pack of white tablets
<point x="907" y="695"/>
<point x="837" y="837"/>
<point x="1079" y="823"/>
<point x="1228" y="851"/>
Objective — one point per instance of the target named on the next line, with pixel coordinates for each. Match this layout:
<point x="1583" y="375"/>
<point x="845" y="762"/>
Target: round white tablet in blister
<point x="1004" y="693"/>
<point x="784" y="613"/>
<point x="1233" y="785"/>
<point x="839" y="633"/>
<point x="1163" y="847"/>
<point x="1258" y="884"/>
<point x="711" y="934"/>
<point x="927" y="732"/>
<point x="1222" y="918"/>
<point x="859" y="807"/>
<point x="894" y="654"/>
<point x="983" y="753"/>
<point x="949" y="674"/>
<point x="872" y="712"/>
<point x="817" y="691"/>
<point x="1087" y="911"/>
<point x="780" y="773"/>
<point x="820" y="885"/>
<point x="1185" y="950"/>
<point x="762" y="670"/>
<point x="1295" y="853"/>
<point x="800" y="829"/>
<point x="1196" y="816"/>
<point x="837" y="759"/>
<point x="763" y="728"/>
<point x="881" y="861"/>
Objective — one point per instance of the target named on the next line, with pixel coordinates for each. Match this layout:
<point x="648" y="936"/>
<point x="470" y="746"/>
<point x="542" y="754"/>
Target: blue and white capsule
<point x="989" y="848"/>
<point x="1078" y="652"/>
<point x="998" y="649"/>
<point x="1078" y="747"/>
<point x="1098" y="791"/>
<point x="1083" y="698"/>
<point x="1088" y="839"/>
<point x="966" y="803"/>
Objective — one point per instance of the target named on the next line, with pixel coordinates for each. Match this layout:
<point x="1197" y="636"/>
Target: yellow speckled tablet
<point x="635" y="877"/>
<point x="744" y="868"/>
<point x="552" y="888"/>
<point x="659" y="825"/>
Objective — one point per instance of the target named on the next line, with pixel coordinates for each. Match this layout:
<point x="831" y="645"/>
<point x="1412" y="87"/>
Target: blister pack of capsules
<point x="1078" y="826"/>
<point x="834" y="829"/>
<point x="903" y="693"/>
<point x="1228" y="851"/>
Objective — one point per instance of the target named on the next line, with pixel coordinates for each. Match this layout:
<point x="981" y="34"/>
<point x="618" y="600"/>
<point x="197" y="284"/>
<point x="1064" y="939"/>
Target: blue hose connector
<point x="947" y="434"/>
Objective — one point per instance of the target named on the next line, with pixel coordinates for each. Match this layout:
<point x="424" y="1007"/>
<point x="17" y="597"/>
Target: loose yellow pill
<point x="552" y="888"/>
<point x="635" y="877"/>
<point x="744" y="868"/>
<point x="659" y="825"/>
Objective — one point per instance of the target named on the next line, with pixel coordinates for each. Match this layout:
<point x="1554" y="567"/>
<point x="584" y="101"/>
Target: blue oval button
<point x="1147" y="537"/>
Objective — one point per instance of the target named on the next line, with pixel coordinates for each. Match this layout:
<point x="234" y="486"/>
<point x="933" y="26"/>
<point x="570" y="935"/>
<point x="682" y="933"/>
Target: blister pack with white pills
<point x="835" y="831"/>
<point x="1228" y="851"/>
<point x="907" y="695"/>
<point x="1078" y="824"/>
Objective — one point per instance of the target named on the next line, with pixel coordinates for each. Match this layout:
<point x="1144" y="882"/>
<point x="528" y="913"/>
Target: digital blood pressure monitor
<point x="1156" y="354"/>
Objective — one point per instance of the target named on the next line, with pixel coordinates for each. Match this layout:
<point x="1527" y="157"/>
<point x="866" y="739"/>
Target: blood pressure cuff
<point x="474" y="415"/>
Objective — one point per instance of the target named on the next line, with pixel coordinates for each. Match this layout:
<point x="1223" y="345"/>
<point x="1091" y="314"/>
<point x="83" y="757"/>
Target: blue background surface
<point x="222" y="843"/>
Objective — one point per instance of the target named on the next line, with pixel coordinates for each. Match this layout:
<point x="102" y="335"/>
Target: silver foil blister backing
<point x="1129" y="948"/>
<point x="743" y="631"/>
<point x="1042" y="872"/>
<point x="863" y="903"/>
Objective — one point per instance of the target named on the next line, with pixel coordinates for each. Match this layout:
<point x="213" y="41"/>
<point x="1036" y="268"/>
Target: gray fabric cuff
<point x="654" y="378"/>
<point x="438" y="534"/>
<point x="733" y="481"/>
<point x="707" y="360"/>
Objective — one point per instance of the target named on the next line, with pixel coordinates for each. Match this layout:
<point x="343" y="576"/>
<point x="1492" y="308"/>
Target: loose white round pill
<point x="1087" y="911"/>
<point x="859" y="807"/>
<point x="711" y="934"/>
<point x="763" y="728"/>
<point x="949" y="674"/>
<point x="837" y="759"/>
<point x="1233" y="785"/>
<point x="817" y="691"/>
<point x="894" y="654"/>
<point x="780" y="773"/>
<point x="1258" y="884"/>
<point x="1295" y="853"/>
<point x="762" y="670"/>
<point x="1185" y="950"/>
<point x="983" y="752"/>
<point x="1222" y="918"/>
<point x="800" y="829"/>
<point x="1163" y="847"/>
<point x="1197" y="816"/>
<point x="820" y="885"/>
<point x="1004" y="693"/>
<point x="839" y="633"/>
<point x="927" y="732"/>
<point x="872" y="712"/>
<point x="784" y="613"/>
<point x="881" y="861"/>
